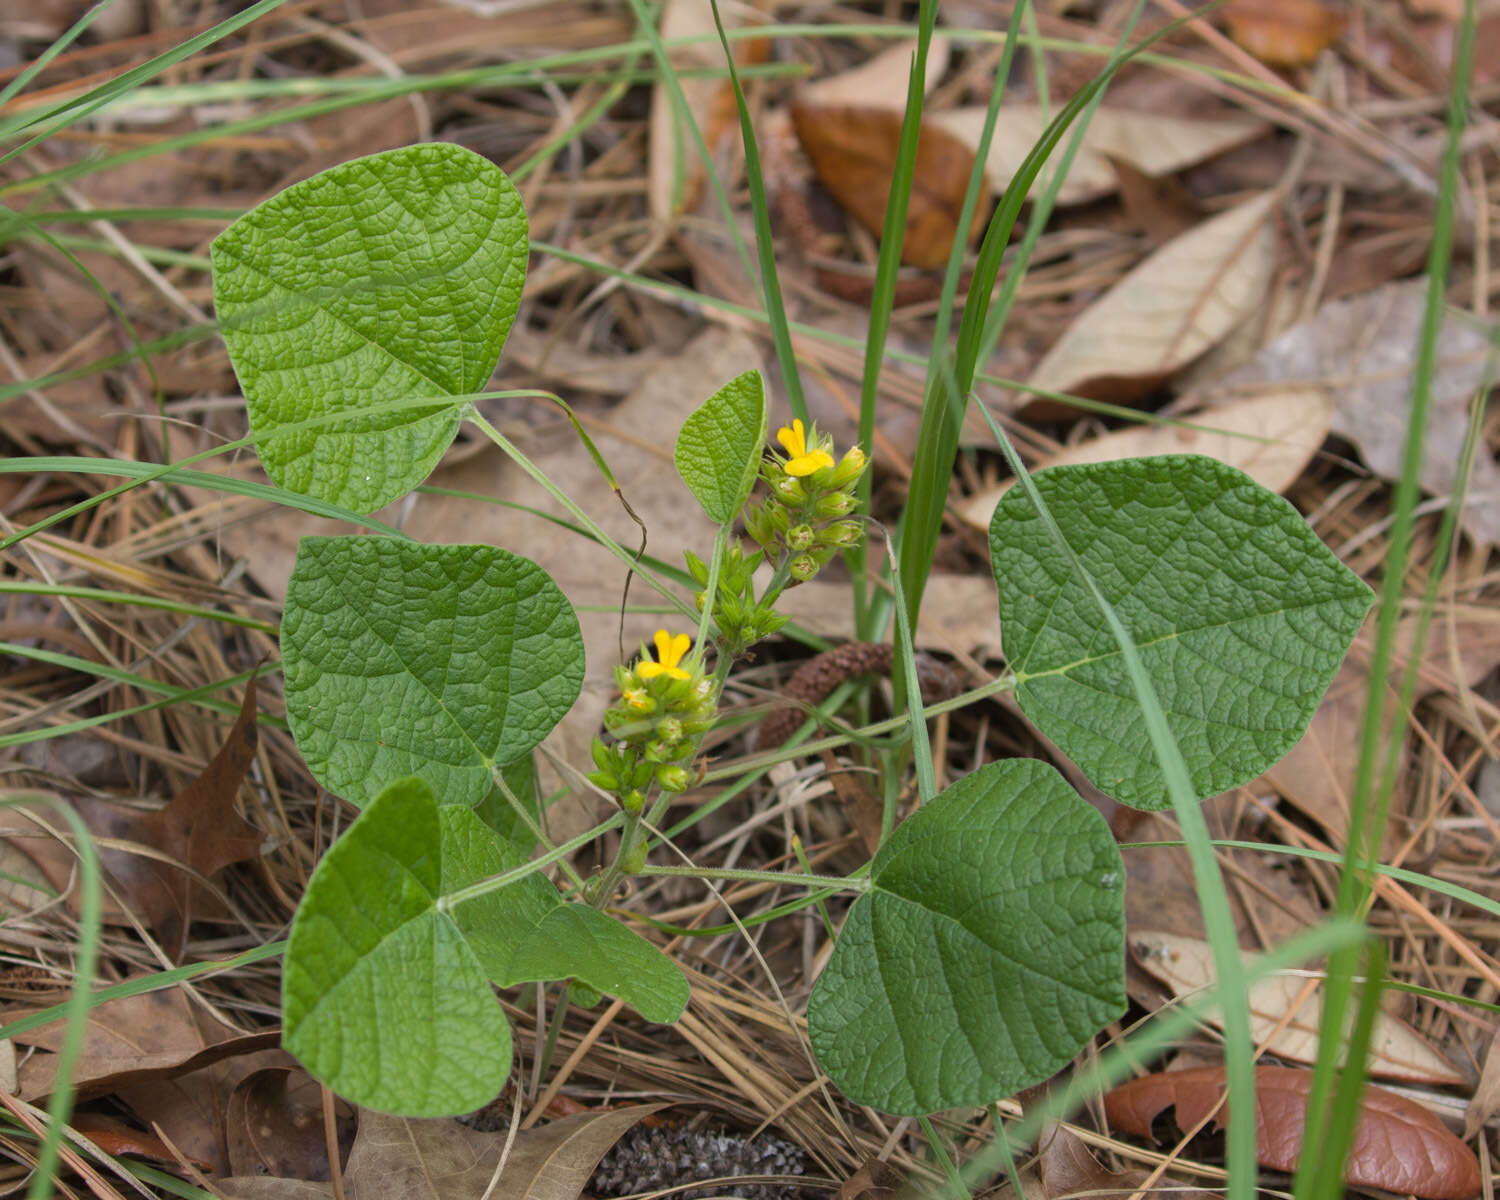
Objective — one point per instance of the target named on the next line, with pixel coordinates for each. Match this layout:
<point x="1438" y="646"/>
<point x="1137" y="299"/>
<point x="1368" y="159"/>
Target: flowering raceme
<point x="810" y="492"/>
<point x="666" y="704"/>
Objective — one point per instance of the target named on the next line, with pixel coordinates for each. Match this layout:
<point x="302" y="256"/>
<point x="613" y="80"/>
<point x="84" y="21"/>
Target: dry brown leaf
<point x="1486" y="1098"/>
<point x="190" y="1109"/>
<point x="674" y="172"/>
<point x="443" y="1160"/>
<point x="1167" y="311"/>
<point x="1397" y="1051"/>
<point x="1154" y="143"/>
<point x="1271" y="438"/>
<point x="1068" y="1168"/>
<point x="1160" y="205"/>
<point x="875" y="1180"/>
<point x="1317" y="775"/>
<point x="200" y="830"/>
<point x="1398" y="1145"/>
<point x="274" y="1125"/>
<point x="1283" y="33"/>
<point x="853" y="151"/>
<point x="881" y="81"/>
<point x="151" y="1036"/>
<point x="1362" y="352"/>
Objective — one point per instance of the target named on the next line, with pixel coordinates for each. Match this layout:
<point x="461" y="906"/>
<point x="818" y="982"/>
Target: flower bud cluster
<point x="742" y="619"/>
<point x="810" y="495"/>
<point x="663" y="710"/>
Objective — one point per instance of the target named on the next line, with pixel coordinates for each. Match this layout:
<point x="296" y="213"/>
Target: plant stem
<point x="494" y="883"/>
<point x="848" y="883"/>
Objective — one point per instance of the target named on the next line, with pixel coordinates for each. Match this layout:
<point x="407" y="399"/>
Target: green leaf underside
<point x="1241" y="613"/>
<point x="720" y="445"/>
<point x="573" y="941"/>
<point x="382" y="997"/>
<point x="446" y="662"/>
<point x="989" y="950"/>
<point x="386" y="278"/>
<point x="387" y="998"/>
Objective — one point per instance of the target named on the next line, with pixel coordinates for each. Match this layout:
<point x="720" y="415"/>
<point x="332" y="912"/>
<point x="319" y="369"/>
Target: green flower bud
<point x="850" y="468"/>
<point x="799" y="537"/>
<point x="633" y="801"/>
<point x="604" y="780"/>
<point x="804" y="567"/>
<point x="834" y="504"/>
<point x="674" y="778"/>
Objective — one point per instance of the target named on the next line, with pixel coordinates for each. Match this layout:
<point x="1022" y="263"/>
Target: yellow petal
<point x="793" y="440"/>
<point x="806" y="464"/>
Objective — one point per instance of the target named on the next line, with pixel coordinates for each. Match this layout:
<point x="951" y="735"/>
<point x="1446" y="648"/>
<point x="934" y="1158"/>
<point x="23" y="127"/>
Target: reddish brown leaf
<point x="199" y="830"/>
<point x="853" y="150"/>
<point x="116" y="1138"/>
<point x="1283" y="33"/>
<point x="190" y="1109"/>
<point x="1398" y="1145"/>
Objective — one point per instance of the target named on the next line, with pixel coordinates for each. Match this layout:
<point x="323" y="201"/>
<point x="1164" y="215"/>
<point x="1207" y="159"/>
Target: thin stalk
<point x="494" y="883"/>
<point x="845" y="883"/>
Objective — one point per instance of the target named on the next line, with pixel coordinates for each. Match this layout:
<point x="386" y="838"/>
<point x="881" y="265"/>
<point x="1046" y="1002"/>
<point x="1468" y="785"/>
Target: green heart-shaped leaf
<point x="446" y="662"/>
<point x="989" y="949"/>
<point x="382" y="998"/>
<point x="388" y="278"/>
<point x="1241" y="614"/>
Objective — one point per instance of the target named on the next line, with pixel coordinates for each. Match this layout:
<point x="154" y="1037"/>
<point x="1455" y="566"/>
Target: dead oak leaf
<point x="199" y="833"/>
<point x="1398" y="1145"/>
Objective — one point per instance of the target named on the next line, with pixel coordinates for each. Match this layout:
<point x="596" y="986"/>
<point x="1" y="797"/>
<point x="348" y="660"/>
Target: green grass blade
<point x="883" y="297"/>
<point x="1318" y="1177"/>
<point x="1207" y="879"/>
<point x="770" y="282"/>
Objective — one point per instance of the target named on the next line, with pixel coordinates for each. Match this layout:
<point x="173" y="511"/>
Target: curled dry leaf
<point x="1165" y="313"/>
<point x="1283" y="33"/>
<point x="1286" y="1021"/>
<point x="1270" y="438"/>
<point x="1398" y="1145"/>
<point x="1154" y="143"/>
<point x="274" y="1125"/>
<point x="853" y="151"/>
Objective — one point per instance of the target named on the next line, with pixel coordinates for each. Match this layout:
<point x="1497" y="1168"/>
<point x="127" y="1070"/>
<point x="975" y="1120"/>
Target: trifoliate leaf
<point x="382" y="997"/>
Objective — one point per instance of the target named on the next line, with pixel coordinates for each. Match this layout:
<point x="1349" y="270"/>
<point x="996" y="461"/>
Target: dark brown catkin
<point x="814" y="681"/>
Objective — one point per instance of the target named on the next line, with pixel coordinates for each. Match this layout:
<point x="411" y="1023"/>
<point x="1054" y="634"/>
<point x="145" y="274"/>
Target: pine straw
<point x="741" y="1049"/>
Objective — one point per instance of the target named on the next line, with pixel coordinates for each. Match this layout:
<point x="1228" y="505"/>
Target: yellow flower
<point x="801" y="462"/>
<point x="669" y="652"/>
